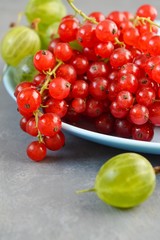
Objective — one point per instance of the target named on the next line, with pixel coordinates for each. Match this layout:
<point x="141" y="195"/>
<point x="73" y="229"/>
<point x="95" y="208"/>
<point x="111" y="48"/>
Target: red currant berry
<point x="70" y="16"/>
<point x="56" y="142"/>
<point x="28" y="100"/>
<point x="146" y="82"/>
<point x="53" y="43"/>
<point x="123" y="128"/>
<point x="63" y="51"/>
<point x="22" y="123"/>
<point x="98" y="88"/>
<point x="124" y="25"/>
<point x="139" y="114"/>
<point x="113" y="76"/>
<point x="22" y="86"/>
<point x="72" y="117"/>
<point x="116" y="111"/>
<point x="98" y="16"/>
<point x="154" y="113"/>
<point x="143" y="41"/>
<point x="128" y="15"/>
<point x="31" y="127"/>
<point x="128" y="82"/>
<point x="97" y="69"/>
<point x="112" y="90"/>
<point x="129" y="68"/>
<point x="86" y="35"/>
<point x="119" y="57"/>
<point x="124" y="99"/>
<point x="106" y="104"/>
<point x="130" y="36"/>
<point x="156" y="73"/>
<point x="145" y="96"/>
<point x="117" y="17"/>
<point x="56" y="106"/>
<point x="80" y="63"/>
<point x="94" y="108"/>
<point x="104" y="123"/>
<point x="89" y="53"/>
<point x="78" y="105"/>
<point x="104" y="50"/>
<point x="59" y="88"/>
<point x="39" y="79"/>
<point x="36" y="151"/>
<point x="44" y="60"/>
<point x="154" y="45"/>
<point x="147" y="10"/>
<point x="25" y="114"/>
<point x="147" y="27"/>
<point x="79" y="89"/>
<point x="134" y="51"/>
<point x="150" y="64"/>
<point x="49" y="124"/>
<point x="143" y="132"/>
<point x="106" y="31"/>
<point x="141" y="60"/>
<point x="68" y="72"/>
<point x="67" y="29"/>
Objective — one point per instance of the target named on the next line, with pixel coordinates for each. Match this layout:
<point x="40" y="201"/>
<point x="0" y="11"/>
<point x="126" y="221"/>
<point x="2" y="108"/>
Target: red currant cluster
<point x="105" y="71"/>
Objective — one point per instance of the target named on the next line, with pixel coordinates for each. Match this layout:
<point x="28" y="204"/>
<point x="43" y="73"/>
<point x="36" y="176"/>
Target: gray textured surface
<point x="38" y="201"/>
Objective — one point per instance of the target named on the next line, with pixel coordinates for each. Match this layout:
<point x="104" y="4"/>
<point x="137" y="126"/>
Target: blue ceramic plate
<point x="117" y="142"/>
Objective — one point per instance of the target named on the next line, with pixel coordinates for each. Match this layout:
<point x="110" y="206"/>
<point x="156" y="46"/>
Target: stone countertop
<point x="38" y="200"/>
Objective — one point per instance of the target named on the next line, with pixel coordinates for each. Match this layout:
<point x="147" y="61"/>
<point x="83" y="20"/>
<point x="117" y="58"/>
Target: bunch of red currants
<point x="104" y="70"/>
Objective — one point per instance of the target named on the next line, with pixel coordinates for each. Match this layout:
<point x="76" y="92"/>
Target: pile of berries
<point x="104" y="70"/>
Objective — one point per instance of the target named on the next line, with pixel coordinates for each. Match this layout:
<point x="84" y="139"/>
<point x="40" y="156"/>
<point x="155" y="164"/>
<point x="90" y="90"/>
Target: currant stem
<point x="45" y="85"/>
<point x="43" y="88"/>
<point x="36" y="114"/>
<point x="49" y="74"/>
<point x="82" y="14"/>
<point x="122" y="44"/>
<point x="144" y="20"/>
<point x="39" y="136"/>
<point x="86" y="190"/>
<point x="53" y="72"/>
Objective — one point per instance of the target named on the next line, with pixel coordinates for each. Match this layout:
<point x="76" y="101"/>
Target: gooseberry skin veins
<point x="125" y="181"/>
<point x="18" y="43"/>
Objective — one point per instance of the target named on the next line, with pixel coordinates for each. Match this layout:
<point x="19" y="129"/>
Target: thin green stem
<point x="53" y="72"/>
<point x="86" y="190"/>
<point x="36" y="115"/>
<point x="49" y="74"/>
<point x="85" y="17"/>
<point x="43" y="88"/>
<point x="45" y="85"/>
<point x="122" y="44"/>
<point x="143" y="20"/>
<point x="82" y="14"/>
<point x="40" y="137"/>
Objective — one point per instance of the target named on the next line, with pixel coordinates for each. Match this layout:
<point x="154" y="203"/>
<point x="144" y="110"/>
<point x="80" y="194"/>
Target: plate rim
<point x="99" y="138"/>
